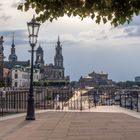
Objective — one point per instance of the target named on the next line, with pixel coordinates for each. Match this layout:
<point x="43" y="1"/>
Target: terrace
<point x="77" y="118"/>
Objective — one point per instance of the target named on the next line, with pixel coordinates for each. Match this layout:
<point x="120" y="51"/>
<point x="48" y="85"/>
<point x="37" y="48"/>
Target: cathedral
<point x="50" y="73"/>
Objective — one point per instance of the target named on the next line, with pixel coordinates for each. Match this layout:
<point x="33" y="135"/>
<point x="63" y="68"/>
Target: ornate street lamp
<point x="33" y="28"/>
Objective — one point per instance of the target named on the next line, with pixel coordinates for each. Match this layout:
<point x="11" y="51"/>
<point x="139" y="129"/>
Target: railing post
<point x="74" y="100"/>
<point x="137" y="101"/>
<point x="120" y="100"/>
<point x="125" y="100"/>
<point x="81" y="100"/>
<point x="88" y="101"/>
<point x="53" y="99"/>
<point x="44" y="99"/>
<point x="71" y="99"/>
<point x="131" y="103"/>
<point x="14" y="101"/>
<point x="3" y="99"/>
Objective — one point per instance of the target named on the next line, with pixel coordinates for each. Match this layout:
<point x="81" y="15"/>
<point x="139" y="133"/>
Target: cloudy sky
<point x="87" y="46"/>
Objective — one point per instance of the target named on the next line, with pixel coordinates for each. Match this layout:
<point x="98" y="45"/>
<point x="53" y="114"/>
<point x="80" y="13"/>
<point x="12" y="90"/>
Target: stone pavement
<point x="62" y="125"/>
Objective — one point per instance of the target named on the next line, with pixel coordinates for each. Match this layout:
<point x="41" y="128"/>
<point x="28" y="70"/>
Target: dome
<point x="18" y="66"/>
<point x="12" y="57"/>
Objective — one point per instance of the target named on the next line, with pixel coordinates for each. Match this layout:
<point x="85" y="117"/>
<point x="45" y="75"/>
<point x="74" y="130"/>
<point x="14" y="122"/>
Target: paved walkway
<point x="93" y="125"/>
<point x="116" y="109"/>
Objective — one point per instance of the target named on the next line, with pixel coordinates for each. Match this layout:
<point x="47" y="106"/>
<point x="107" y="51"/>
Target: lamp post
<point x="33" y="28"/>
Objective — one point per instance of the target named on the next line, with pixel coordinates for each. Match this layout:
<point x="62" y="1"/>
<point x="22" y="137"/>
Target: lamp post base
<point x="30" y="118"/>
<point x="30" y="110"/>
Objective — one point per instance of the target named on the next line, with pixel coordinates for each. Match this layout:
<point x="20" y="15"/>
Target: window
<point x="59" y="74"/>
<point x="16" y="84"/>
<point x="39" y="57"/>
<point x="16" y="75"/>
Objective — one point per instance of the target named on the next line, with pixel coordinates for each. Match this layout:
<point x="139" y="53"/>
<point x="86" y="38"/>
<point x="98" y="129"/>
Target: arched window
<point x="60" y="75"/>
<point x="39" y="57"/>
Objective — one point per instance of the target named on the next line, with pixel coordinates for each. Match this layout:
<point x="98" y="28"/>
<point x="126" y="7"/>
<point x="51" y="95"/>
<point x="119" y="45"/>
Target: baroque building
<point x="16" y="73"/>
<point x="94" y="79"/>
<point x="55" y="72"/>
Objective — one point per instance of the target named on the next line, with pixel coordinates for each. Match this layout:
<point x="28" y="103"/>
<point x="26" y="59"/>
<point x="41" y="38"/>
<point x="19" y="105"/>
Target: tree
<point x="116" y="11"/>
<point x="73" y="83"/>
<point x="128" y="84"/>
<point x="37" y="83"/>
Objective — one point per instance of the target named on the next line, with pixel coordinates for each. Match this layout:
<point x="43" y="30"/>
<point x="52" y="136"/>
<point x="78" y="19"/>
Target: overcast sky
<point x="87" y="46"/>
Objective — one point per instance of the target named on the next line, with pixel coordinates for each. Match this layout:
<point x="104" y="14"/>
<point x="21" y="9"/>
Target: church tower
<point x="39" y="63"/>
<point x="58" y="59"/>
<point x="13" y="56"/>
<point x="1" y="59"/>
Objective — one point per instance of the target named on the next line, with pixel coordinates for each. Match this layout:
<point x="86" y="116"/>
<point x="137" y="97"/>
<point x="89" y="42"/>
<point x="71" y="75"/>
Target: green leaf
<point x="114" y="11"/>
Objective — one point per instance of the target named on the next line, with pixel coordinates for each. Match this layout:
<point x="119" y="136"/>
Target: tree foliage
<point x="128" y="84"/>
<point x="116" y="11"/>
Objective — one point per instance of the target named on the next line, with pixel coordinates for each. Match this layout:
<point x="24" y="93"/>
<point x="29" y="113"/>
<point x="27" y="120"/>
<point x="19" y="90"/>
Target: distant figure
<point x="58" y="107"/>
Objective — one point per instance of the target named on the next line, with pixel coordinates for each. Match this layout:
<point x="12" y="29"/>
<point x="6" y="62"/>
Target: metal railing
<point x="15" y="100"/>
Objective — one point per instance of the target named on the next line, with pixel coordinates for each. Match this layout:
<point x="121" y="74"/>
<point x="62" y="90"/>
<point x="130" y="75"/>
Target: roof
<point x="39" y="49"/>
<point x="10" y="64"/>
<point x="88" y="77"/>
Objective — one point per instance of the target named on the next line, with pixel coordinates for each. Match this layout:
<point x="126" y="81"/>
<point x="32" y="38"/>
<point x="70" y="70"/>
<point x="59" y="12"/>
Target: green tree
<point x="116" y="11"/>
<point x="37" y="83"/>
<point x="48" y="98"/>
<point x="128" y="84"/>
<point x="73" y="83"/>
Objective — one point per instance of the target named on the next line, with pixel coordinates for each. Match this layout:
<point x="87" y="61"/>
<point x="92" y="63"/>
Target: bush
<point x="48" y="98"/>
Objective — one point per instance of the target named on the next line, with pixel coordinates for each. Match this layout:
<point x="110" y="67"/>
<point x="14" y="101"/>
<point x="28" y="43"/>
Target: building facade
<point x="18" y="72"/>
<point x="137" y="79"/>
<point x="7" y="77"/>
<point x="94" y="79"/>
<point x="21" y="76"/>
<point x="52" y="72"/>
<point x="1" y="60"/>
<point x="48" y="73"/>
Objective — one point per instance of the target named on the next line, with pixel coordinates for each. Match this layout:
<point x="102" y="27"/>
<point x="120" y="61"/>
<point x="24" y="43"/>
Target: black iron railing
<point x="15" y="100"/>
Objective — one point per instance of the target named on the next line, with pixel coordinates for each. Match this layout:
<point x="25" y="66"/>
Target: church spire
<point x="58" y="42"/>
<point x="1" y="43"/>
<point x="58" y="58"/>
<point x="12" y="56"/>
<point x="13" y="40"/>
